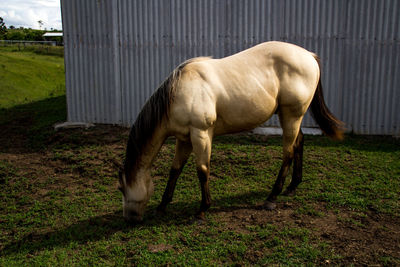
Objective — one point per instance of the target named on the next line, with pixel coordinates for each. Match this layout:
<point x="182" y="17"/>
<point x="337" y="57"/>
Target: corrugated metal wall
<point x="117" y="52"/>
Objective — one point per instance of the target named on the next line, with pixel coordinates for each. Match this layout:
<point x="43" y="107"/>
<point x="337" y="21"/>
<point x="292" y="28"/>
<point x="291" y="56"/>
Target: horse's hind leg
<point x="182" y="153"/>
<point x="297" y="165"/>
<point x="291" y="128"/>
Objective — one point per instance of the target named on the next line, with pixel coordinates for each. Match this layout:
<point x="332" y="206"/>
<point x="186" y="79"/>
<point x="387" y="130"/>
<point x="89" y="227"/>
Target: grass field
<point x="27" y="76"/>
<point x="60" y="204"/>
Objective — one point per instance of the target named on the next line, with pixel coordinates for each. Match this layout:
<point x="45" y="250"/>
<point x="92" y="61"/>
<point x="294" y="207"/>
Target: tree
<point x="3" y="28"/>
<point x="15" y="35"/>
<point x="40" y="24"/>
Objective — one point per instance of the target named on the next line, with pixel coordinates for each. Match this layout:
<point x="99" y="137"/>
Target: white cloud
<point x="27" y="13"/>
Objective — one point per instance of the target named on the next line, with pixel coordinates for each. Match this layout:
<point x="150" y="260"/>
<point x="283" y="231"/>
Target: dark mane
<point x="150" y="117"/>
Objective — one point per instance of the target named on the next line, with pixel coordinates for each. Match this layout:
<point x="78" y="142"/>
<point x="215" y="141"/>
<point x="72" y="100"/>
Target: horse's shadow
<point x="104" y="226"/>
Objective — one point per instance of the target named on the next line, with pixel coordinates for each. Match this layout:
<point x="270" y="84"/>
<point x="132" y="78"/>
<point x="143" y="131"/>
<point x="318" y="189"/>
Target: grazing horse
<point x="205" y="97"/>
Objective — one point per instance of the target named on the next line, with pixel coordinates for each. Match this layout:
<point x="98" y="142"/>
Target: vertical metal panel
<point x="92" y="78"/>
<point x="316" y="26"/>
<point x="118" y="52"/>
<point x="144" y="52"/>
<point x="371" y="78"/>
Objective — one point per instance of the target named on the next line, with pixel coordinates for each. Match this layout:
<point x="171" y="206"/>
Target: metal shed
<point x="117" y="52"/>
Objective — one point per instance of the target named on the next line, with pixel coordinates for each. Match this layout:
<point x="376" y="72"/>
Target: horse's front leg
<point x="182" y="153"/>
<point x="201" y="142"/>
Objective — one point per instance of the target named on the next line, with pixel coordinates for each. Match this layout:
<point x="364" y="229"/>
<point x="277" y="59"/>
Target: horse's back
<point x="242" y="91"/>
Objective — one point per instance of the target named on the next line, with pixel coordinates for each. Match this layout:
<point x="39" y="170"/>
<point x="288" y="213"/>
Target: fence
<point x="38" y="47"/>
<point x="24" y="43"/>
<point x="118" y="52"/>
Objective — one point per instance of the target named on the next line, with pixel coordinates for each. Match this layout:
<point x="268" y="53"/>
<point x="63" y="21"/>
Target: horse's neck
<point x="153" y="147"/>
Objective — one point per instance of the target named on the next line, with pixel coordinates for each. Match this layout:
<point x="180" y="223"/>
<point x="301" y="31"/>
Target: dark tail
<point x="328" y="123"/>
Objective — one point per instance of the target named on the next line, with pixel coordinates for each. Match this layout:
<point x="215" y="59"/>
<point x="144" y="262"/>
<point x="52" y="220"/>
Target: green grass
<point x="60" y="204"/>
<point x="32" y="96"/>
<point x="26" y="76"/>
<point x="69" y="212"/>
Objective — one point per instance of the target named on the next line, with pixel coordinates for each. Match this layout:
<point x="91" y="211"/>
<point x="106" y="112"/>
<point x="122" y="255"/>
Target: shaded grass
<point x="29" y="126"/>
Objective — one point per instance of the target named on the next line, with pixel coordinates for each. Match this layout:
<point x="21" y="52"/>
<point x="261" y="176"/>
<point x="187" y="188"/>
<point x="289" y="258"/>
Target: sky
<point x="27" y="13"/>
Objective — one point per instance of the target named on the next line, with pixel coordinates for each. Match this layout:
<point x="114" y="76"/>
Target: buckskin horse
<point x="205" y="97"/>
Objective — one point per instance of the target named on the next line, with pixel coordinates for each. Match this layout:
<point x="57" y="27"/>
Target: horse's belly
<point x="244" y="114"/>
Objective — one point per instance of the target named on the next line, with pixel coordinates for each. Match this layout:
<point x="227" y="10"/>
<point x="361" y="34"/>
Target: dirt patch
<point x="70" y="157"/>
<point x="360" y="239"/>
<point x="159" y="248"/>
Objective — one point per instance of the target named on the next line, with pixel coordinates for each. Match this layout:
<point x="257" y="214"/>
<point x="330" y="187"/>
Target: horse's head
<point x="136" y="192"/>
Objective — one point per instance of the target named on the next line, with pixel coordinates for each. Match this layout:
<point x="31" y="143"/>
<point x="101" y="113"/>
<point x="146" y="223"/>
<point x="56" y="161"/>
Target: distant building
<point x="54" y="36"/>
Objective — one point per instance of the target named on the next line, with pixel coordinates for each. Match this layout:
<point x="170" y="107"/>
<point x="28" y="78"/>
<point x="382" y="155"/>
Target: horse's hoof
<point x="199" y="221"/>
<point x="289" y="192"/>
<point x="161" y="211"/>
<point x="200" y="218"/>
<point x="268" y="205"/>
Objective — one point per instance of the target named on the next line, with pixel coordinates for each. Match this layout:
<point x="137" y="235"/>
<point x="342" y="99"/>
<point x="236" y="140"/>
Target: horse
<point x="205" y="97"/>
